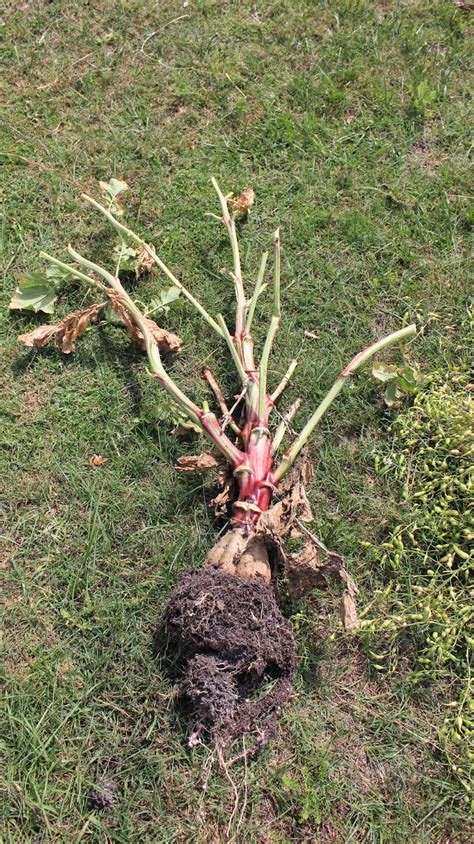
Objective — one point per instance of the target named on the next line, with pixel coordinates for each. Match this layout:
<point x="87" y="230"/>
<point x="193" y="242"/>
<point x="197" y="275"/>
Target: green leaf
<point x="57" y="275"/>
<point x="167" y="414"/>
<point x="113" y="188"/>
<point x="127" y="256"/>
<point x="384" y="372"/>
<point x="291" y="784"/>
<point x="165" y="298"/>
<point x="35" y="292"/>
<point x="392" y="394"/>
<point x="409" y="379"/>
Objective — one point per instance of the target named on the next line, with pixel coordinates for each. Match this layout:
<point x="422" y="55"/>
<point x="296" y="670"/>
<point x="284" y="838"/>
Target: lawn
<point x="350" y="120"/>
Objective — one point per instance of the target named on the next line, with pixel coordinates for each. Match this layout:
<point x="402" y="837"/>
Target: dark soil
<point x="228" y="640"/>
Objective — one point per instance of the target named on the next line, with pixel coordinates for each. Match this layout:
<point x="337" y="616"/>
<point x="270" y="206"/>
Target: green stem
<point x="284" y="381"/>
<point x="232" y="349"/>
<point x="205" y="420"/>
<point x="229" y="223"/>
<point x="111" y="280"/>
<point x="72" y="270"/>
<point x="150" y="251"/>
<point x="256" y="293"/>
<point x="283" y="427"/>
<point x="275" y="321"/>
<point x="292" y="453"/>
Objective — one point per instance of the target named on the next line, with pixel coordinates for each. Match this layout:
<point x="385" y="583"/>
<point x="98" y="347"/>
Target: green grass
<point x="351" y="121"/>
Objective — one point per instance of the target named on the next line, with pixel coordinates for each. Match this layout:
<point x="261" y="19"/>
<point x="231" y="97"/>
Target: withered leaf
<point x="198" y="463"/>
<point x="166" y="340"/>
<point x="243" y="203"/>
<point x="39" y="336"/>
<point x="314" y="564"/>
<point x="304" y="571"/>
<point x="349" y="612"/>
<point x="98" y="460"/>
<point x="221" y="501"/>
<point x="65" y="332"/>
<point x="145" y="261"/>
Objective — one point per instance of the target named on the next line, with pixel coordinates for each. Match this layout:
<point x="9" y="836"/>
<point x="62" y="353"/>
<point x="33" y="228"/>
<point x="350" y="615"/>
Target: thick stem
<point x="150" y="251"/>
<point x="292" y="453"/>
<point x="275" y="322"/>
<point x="255" y="480"/>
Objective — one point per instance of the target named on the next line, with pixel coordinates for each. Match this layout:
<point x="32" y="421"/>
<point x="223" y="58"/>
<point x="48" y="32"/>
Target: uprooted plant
<point x="222" y="622"/>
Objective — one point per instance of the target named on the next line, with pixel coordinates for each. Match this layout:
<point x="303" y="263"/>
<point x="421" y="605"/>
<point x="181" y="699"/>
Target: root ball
<point x="228" y="639"/>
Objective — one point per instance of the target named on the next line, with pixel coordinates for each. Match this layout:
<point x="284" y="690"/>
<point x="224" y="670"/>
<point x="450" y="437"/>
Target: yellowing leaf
<point x="384" y="372"/>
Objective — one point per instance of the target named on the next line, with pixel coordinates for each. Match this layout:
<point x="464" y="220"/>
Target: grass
<point x="351" y="122"/>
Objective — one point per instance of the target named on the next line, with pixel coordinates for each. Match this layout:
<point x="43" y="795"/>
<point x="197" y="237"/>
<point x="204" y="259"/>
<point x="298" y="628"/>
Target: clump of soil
<point x="103" y="795"/>
<point x="228" y="639"/>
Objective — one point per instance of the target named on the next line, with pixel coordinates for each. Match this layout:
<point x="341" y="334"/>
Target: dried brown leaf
<point x="166" y="341"/>
<point x="145" y="261"/>
<point x="98" y="460"/>
<point x="221" y="501"/>
<point x="314" y="564"/>
<point x="304" y="571"/>
<point x="349" y="612"/>
<point x="301" y="472"/>
<point x="65" y="332"/>
<point x="243" y="203"/>
<point x="39" y="336"/>
<point x="116" y="300"/>
<point x="198" y="463"/>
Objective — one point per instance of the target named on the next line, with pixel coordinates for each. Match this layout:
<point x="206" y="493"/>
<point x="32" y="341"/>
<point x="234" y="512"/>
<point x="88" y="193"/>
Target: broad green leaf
<point x="162" y="302"/>
<point x="384" y="372"/>
<point x="35" y="292"/>
<point x="57" y="275"/>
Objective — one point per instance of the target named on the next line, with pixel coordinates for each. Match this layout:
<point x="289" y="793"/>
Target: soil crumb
<point x="233" y="652"/>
